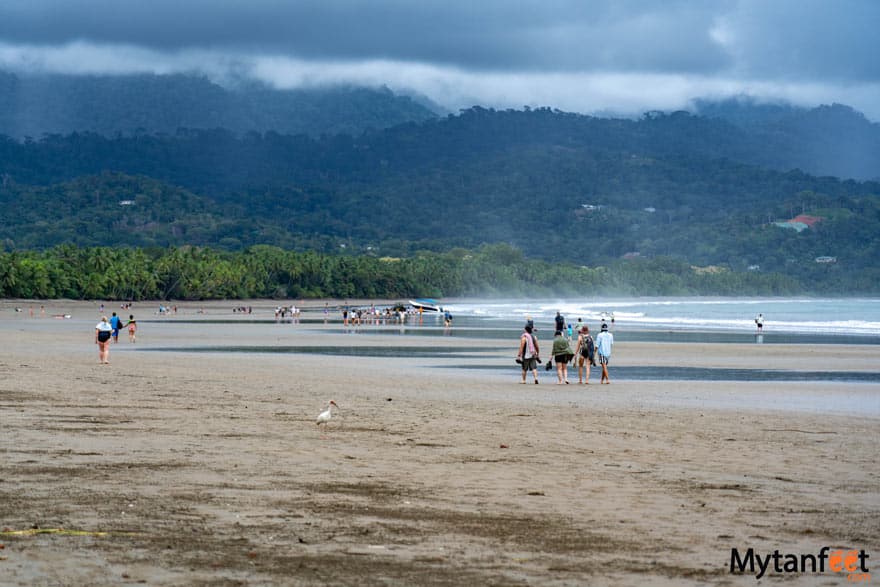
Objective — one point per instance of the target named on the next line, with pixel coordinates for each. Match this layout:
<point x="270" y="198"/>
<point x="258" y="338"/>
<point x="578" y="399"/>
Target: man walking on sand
<point x="528" y="354"/>
<point x="604" y="342"/>
<point x="115" y="324"/>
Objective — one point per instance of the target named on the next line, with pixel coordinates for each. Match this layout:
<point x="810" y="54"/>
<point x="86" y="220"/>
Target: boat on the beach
<point x="426" y="304"/>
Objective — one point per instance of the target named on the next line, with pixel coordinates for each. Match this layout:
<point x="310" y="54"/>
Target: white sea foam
<point x="788" y="315"/>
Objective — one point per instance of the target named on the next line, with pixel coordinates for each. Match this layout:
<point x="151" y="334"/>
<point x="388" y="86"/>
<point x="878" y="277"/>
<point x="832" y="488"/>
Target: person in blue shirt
<point x="115" y="324"/>
<point x="604" y="342"/>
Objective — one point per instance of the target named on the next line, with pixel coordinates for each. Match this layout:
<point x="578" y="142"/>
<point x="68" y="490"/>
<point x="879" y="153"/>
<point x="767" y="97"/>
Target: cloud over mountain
<point x="623" y="55"/>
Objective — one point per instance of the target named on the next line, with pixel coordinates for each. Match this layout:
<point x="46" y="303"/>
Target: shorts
<point x="563" y="358"/>
<point x="603" y="360"/>
<point x="530" y="364"/>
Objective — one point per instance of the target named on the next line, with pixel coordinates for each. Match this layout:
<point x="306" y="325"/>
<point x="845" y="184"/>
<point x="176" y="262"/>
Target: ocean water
<point x="799" y="316"/>
<point x="701" y="320"/>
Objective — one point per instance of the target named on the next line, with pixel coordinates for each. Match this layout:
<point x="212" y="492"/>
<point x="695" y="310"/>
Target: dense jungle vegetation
<point x="194" y="273"/>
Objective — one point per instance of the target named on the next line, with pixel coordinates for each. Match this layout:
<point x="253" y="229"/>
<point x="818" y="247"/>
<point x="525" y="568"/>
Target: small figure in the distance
<point x="132" y="328"/>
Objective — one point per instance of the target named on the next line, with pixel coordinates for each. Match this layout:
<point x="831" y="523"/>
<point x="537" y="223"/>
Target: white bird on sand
<point x="324" y="417"/>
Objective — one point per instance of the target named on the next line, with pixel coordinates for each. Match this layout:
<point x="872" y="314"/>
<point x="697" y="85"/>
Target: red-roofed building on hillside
<point x="808" y="220"/>
<point x="800" y="222"/>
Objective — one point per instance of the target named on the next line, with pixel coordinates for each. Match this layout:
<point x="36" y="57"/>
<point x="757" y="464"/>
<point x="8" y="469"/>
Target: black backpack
<point x="588" y="349"/>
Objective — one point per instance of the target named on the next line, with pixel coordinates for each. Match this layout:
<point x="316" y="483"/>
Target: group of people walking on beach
<point x="586" y="353"/>
<point x="108" y="330"/>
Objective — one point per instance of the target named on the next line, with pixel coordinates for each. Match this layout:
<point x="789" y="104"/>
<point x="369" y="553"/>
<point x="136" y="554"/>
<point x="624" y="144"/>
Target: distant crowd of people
<point x="389" y="315"/>
<point x="283" y="313"/>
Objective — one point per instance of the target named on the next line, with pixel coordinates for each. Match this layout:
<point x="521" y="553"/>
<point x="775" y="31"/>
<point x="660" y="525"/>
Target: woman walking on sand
<point x="585" y="353"/>
<point x="103" y="330"/>
<point x="562" y="354"/>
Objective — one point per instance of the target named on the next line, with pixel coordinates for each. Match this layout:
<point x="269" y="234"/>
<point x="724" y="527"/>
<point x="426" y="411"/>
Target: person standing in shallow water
<point x="103" y="331"/>
<point x="528" y="354"/>
<point x="604" y="342"/>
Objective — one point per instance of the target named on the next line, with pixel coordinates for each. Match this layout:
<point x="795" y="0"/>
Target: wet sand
<point x="180" y="468"/>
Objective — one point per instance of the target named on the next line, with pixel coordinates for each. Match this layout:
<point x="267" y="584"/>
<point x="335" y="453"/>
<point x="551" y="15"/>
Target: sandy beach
<point x="207" y="468"/>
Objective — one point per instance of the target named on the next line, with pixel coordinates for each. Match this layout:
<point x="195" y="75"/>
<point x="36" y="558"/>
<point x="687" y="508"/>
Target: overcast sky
<point x="624" y="56"/>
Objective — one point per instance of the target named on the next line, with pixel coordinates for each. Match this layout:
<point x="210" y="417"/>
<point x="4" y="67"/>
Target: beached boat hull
<point x="425" y="305"/>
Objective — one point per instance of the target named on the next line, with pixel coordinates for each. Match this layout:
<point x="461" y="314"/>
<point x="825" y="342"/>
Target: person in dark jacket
<point x="560" y="321"/>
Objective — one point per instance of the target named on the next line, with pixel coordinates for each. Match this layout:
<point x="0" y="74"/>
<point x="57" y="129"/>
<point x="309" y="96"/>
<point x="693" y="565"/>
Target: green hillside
<point x="558" y="187"/>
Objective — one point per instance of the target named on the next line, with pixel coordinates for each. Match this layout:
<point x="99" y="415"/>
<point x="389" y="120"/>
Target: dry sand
<point x="208" y="468"/>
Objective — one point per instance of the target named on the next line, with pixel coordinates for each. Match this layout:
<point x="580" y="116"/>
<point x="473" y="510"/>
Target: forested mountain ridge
<point x="828" y="140"/>
<point x="34" y="105"/>
<point x="558" y="186"/>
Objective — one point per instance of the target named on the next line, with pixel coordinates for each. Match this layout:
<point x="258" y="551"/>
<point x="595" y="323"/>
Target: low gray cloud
<point x="489" y="34"/>
<point x="617" y="55"/>
<point x="803" y="39"/>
